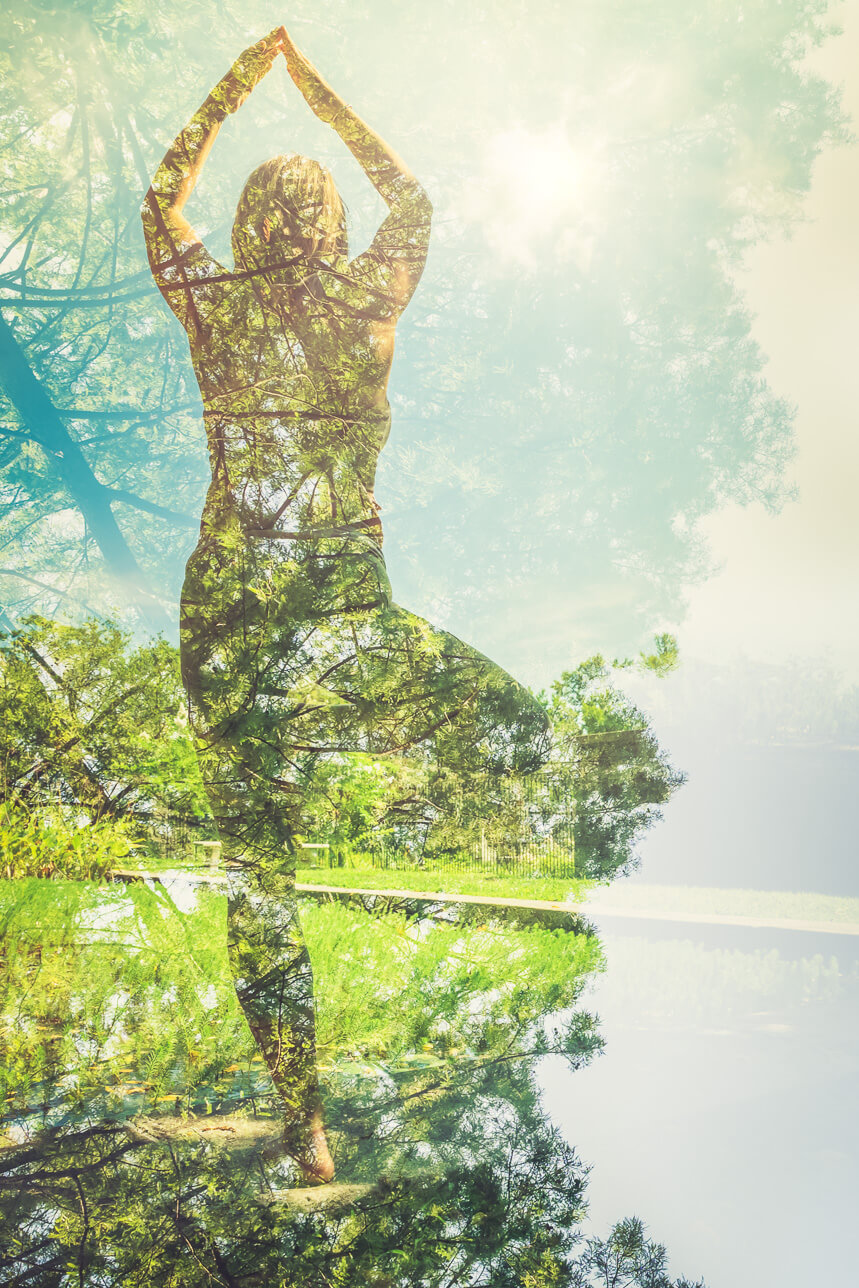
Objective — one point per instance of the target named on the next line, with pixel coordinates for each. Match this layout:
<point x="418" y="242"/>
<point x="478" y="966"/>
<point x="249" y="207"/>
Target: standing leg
<point x="268" y="956"/>
<point x="274" y="983"/>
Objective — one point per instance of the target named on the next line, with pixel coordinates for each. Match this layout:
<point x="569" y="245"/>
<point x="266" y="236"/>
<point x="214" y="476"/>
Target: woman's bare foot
<point x="307" y="1144"/>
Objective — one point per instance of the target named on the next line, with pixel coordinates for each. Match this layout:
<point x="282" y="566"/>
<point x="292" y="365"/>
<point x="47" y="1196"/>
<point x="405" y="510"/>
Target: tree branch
<point x="172" y="516"/>
<point x="38" y="413"/>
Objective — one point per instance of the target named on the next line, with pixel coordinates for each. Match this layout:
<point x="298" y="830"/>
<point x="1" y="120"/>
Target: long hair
<point x="289" y="209"/>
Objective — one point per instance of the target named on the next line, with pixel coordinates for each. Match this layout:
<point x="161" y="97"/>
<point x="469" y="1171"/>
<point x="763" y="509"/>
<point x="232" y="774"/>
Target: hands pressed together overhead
<point x="256" y="61"/>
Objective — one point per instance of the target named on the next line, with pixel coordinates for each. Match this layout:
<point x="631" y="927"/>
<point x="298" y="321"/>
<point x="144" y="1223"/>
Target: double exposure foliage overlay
<point x="576" y="383"/>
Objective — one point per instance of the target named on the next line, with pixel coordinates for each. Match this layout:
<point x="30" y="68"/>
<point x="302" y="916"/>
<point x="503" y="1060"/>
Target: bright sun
<point x="533" y="185"/>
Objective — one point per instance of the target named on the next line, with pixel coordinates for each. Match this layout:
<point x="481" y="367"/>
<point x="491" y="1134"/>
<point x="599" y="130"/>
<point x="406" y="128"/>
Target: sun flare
<point x="532" y="185"/>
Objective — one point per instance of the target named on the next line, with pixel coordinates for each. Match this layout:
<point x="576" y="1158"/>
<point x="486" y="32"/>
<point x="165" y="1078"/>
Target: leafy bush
<point x="50" y="844"/>
<point x="92" y="729"/>
<point x="127" y="992"/>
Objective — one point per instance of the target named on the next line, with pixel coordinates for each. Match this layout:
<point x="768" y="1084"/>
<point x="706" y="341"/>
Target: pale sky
<point x="789" y="583"/>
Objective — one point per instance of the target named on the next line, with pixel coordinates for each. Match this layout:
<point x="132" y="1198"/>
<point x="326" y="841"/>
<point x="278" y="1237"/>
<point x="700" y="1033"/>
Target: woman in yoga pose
<point x="293" y="652"/>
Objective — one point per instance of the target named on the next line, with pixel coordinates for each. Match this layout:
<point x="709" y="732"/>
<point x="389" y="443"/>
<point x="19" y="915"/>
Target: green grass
<point x="565" y="889"/>
<point x="119" y="993"/>
<point x="772" y="904"/>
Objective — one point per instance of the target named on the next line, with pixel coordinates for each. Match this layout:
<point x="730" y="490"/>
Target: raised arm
<point x="399" y="250"/>
<point x="171" y="242"/>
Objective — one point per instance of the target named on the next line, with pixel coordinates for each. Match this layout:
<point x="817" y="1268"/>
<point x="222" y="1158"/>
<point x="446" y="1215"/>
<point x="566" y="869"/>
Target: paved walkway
<point x="437" y="896"/>
<point x="720" y="919"/>
<point x="595" y="909"/>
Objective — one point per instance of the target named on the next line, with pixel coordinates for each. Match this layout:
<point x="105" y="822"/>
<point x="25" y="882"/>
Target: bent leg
<point x="389" y="683"/>
<point x="463" y="730"/>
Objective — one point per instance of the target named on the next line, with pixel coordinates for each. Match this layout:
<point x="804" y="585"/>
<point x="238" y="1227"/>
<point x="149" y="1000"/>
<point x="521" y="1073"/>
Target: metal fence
<point x="508" y="826"/>
<point x="178" y="839"/>
<point x="513" y="827"/>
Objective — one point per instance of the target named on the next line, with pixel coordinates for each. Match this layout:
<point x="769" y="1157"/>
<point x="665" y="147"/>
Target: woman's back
<point x="293" y="378"/>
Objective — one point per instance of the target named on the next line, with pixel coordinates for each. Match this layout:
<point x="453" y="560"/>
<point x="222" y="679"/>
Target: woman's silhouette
<point x="293" y="652"/>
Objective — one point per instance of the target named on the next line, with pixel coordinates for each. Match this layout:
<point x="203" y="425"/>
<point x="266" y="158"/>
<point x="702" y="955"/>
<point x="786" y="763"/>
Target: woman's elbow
<point x="163" y="219"/>
<point x="409" y="195"/>
<point x="153" y="211"/>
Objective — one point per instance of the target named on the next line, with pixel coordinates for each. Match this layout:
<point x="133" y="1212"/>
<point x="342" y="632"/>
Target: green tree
<point x="96" y="725"/>
<point x="93" y="724"/>
<point x="607" y="751"/>
<point x="626" y="1259"/>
